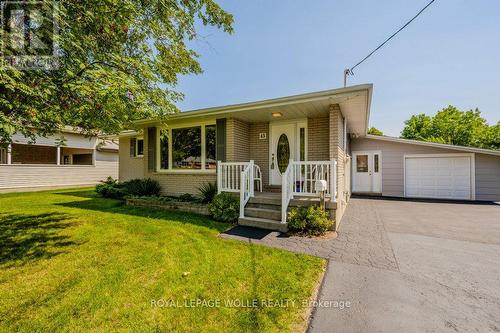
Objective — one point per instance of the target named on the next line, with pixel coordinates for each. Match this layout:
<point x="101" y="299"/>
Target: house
<point x="285" y="145"/>
<point x="66" y="159"/>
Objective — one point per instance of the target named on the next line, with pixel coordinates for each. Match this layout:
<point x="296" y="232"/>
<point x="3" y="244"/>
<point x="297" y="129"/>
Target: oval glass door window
<point x="283" y="153"/>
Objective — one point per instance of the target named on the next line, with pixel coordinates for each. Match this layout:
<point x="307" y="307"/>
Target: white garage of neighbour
<point x="442" y="176"/>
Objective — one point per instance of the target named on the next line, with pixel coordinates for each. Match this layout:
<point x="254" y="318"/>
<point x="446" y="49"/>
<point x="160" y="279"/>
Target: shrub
<point x="142" y="187"/>
<point x="187" y="197"/>
<point x="207" y="192"/>
<point x="111" y="188"/>
<point x="224" y="208"/>
<point x="310" y="220"/>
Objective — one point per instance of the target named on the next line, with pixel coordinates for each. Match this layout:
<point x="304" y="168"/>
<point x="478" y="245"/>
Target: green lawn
<point x="70" y="261"/>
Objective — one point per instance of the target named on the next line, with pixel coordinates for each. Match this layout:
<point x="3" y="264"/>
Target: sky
<point x="449" y="55"/>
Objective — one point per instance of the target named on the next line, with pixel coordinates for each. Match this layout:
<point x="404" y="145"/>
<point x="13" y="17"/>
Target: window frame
<point x="136" y="150"/>
<point x="170" y="143"/>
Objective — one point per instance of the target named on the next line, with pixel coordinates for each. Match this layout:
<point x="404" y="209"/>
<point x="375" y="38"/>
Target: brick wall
<point x="318" y="139"/>
<point x="237" y="141"/>
<point x="129" y="167"/>
<point x="33" y="154"/>
<point x="337" y="152"/>
<point x="259" y="149"/>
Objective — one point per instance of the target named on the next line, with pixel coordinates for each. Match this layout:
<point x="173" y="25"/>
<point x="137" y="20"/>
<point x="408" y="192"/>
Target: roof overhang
<point x="433" y="144"/>
<point x="354" y="103"/>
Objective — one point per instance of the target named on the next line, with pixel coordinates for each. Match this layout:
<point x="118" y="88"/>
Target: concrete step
<point x="273" y="214"/>
<point x="264" y="199"/>
<point x="264" y="206"/>
<point x="263" y="223"/>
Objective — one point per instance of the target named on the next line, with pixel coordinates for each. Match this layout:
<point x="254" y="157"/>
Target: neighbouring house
<point x="286" y="145"/>
<point x="66" y="159"/>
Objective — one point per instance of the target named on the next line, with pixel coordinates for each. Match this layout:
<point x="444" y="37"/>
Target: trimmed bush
<point x="208" y="191"/>
<point x="312" y="221"/>
<point x="142" y="187"/>
<point x="112" y="188"/>
<point x="224" y="208"/>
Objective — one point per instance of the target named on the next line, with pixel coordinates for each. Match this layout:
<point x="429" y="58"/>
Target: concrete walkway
<point x="405" y="266"/>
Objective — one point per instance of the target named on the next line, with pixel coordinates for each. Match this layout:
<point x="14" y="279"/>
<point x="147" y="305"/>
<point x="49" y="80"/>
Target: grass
<point x="70" y="261"/>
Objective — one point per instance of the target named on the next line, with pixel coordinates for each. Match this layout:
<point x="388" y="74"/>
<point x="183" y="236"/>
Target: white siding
<point x="18" y="176"/>
<point x="35" y="176"/>
<point x="71" y="140"/>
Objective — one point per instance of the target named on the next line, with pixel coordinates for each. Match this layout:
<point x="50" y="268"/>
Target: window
<point x="139" y="148"/>
<point x="375" y="162"/>
<point x="164" y="149"/>
<point x="210" y="148"/>
<point x="188" y="148"/>
<point x="302" y="139"/>
<point x="136" y="147"/>
<point x="362" y="163"/>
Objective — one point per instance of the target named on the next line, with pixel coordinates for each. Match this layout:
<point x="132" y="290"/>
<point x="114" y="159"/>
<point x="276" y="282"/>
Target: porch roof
<point x="354" y="103"/>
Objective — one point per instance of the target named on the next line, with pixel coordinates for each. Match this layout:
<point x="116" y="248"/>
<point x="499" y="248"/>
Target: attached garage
<point x="418" y="169"/>
<point x="446" y="176"/>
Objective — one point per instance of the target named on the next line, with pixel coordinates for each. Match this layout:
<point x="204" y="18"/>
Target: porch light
<point x="276" y="114"/>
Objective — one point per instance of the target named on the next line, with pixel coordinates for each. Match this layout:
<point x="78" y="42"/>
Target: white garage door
<point x="438" y="177"/>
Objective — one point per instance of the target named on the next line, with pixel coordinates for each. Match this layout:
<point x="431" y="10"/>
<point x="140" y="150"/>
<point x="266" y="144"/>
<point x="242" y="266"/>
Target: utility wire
<point x="350" y="70"/>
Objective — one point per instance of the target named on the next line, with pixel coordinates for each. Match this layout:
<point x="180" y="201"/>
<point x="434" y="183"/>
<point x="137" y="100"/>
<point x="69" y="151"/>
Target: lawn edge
<point x="311" y="311"/>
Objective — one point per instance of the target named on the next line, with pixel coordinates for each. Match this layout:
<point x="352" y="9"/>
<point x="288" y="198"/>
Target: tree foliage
<point x="119" y="60"/>
<point x="452" y="126"/>
<point x="375" y="131"/>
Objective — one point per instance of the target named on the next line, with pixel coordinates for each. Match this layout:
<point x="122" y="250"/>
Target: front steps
<point x="264" y="210"/>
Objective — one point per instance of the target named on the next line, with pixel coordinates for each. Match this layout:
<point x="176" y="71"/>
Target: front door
<point x="367" y="172"/>
<point x="283" y="146"/>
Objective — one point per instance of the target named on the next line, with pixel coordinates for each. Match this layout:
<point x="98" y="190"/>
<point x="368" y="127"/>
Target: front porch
<point x="303" y="183"/>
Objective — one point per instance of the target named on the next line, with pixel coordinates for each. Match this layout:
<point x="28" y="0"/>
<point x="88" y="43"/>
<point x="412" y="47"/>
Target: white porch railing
<point x="300" y="179"/>
<point x="287" y="189"/>
<point x="246" y="187"/>
<point x="229" y="176"/>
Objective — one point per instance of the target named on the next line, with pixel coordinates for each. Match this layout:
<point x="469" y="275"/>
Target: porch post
<point x="58" y="158"/>
<point x="219" y="177"/>
<point x="252" y="194"/>
<point x="333" y="180"/>
<point x="9" y="154"/>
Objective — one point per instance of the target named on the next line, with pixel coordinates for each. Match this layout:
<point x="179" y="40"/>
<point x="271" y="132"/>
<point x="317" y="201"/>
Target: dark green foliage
<point x="208" y="191"/>
<point x="119" y="60"/>
<point x="455" y="127"/>
<point x="224" y="208"/>
<point x="375" y="131"/>
<point x="310" y="220"/>
<point x="142" y="187"/>
<point x="112" y="188"/>
<point x="187" y="197"/>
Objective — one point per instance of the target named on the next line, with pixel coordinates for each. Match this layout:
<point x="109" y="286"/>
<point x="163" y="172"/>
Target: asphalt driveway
<point x="404" y="266"/>
<point x="414" y="266"/>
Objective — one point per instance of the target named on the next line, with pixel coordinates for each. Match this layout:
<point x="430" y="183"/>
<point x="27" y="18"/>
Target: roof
<point x="433" y="144"/>
<point x="355" y="100"/>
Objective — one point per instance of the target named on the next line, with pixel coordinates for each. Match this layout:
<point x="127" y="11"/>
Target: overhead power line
<point x="350" y="71"/>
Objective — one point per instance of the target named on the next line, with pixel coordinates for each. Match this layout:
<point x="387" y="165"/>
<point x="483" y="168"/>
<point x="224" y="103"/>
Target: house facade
<point x="294" y="146"/>
<point x="65" y="159"/>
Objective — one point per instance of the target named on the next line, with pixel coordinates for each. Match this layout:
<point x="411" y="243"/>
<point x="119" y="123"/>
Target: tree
<point x="452" y="126"/>
<point x="375" y="131"/>
<point x="118" y="61"/>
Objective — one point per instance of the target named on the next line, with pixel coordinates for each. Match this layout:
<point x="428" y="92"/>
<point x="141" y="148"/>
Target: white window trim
<point x="472" y="168"/>
<point x="136" y="152"/>
<point x="170" y="169"/>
